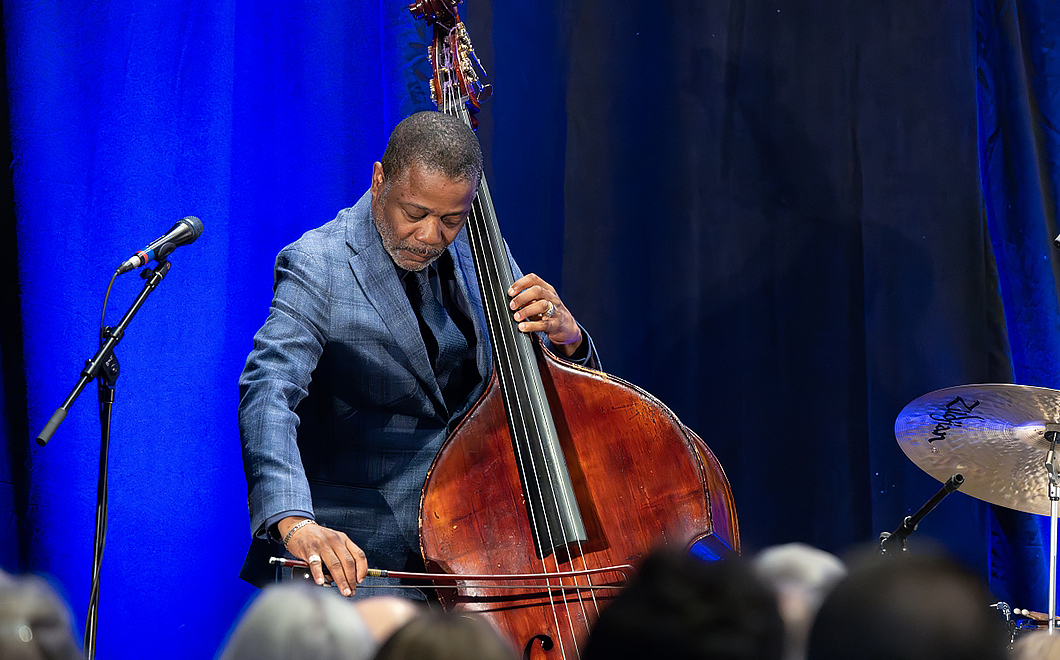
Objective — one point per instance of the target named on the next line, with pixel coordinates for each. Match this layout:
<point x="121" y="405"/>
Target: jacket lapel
<point x="375" y="272"/>
<point x="467" y="281"/>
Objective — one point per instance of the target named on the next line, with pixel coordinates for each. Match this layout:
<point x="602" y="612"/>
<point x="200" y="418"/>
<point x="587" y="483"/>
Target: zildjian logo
<point x="957" y="411"/>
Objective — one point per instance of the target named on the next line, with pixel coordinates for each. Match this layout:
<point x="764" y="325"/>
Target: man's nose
<point x="429" y="231"/>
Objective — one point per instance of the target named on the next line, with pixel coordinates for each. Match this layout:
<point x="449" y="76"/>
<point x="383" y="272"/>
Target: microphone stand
<point x="908" y="526"/>
<point x="103" y="365"/>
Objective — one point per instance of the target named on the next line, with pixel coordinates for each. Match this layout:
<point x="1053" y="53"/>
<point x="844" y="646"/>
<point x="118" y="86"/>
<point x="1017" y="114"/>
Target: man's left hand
<point x="538" y="309"/>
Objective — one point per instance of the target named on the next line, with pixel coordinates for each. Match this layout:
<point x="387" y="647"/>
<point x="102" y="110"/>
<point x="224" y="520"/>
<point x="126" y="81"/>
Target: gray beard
<point x="394" y="247"/>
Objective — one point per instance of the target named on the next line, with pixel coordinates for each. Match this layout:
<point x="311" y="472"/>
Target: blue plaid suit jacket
<point x="340" y="414"/>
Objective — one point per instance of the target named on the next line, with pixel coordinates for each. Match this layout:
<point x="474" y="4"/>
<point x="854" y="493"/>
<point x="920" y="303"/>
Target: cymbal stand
<point x="896" y="540"/>
<point x="1051" y="433"/>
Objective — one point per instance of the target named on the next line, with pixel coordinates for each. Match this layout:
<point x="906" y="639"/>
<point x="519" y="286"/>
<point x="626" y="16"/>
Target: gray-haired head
<point x="800" y="565"/>
<point x="34" y="621"/>
<point x="1037" y="645"/>
<point x="438" y="141"/>
<point x="802" y="577"/>
<point x="294" y="620"/>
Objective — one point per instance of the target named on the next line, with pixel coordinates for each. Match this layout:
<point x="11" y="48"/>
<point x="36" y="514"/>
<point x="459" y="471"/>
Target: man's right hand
<point x="345" y="561"/>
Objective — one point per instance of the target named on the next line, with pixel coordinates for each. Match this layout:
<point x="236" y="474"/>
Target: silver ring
<point x="313" y="559"/>
<point x="551" y="310"/>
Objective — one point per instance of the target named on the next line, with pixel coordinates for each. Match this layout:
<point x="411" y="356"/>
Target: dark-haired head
<point x="681" y="608"/>
<point x="908" y="607"/>
<point x="445" y="636"/>
<point x="424" y="189"/>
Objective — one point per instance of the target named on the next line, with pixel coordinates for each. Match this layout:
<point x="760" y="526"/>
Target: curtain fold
<point x="261" y="120"/>
<point x="776" y="219"/>
<point x="1018" y="143"/>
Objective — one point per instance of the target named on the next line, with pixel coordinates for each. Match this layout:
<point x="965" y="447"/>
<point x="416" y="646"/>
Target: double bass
<point x="560" y="478"/>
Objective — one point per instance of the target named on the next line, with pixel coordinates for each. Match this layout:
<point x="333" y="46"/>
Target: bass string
<point x="527" y="463"/>
<point x="503" y="342"/>
<point x="507" y="343"/>
<point x="542" y="428"/>
<point x="507" y="346"/>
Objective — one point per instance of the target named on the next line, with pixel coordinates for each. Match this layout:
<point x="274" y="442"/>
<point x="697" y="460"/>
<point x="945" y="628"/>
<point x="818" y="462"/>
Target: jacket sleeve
<point x="275" y="379"/>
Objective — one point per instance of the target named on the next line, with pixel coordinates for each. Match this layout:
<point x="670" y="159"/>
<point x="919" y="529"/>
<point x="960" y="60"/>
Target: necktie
<point x="446" y="345"/>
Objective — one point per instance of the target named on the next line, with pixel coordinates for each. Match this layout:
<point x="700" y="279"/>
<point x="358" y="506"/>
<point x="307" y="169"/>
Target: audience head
<point x="802" y="576"/>
<point x="1037" y="645"/>
<point x="385" y="614"/>
<point x="680" y="608"/>
<point x="908" y="607"/>
<point x="295" y="620"/>
<point x="445" y="636"/>
<point x="34" y="621"/>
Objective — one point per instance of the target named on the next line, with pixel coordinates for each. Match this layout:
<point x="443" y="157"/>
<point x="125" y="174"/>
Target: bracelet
<point x="297" y="526"/>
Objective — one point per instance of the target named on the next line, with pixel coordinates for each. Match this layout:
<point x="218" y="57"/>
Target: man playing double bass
<point x="374" y="349"/>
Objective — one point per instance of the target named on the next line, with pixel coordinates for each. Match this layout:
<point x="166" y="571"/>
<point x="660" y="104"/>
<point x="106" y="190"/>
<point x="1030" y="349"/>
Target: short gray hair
<point x="34" y="622"/>
<point x="293" y="620"/>
<point x="438" y="141"/>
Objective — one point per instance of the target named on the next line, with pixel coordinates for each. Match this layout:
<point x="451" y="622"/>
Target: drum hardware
<point x="1019" y="621"/>
<point x="1003" y="608"/>
<point x="1033" y="619"/>
<point x="889" y="540"/>
<point x="1002" y="439"/>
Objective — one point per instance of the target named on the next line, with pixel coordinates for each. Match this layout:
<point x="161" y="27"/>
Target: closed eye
<point x="418" y="215"/>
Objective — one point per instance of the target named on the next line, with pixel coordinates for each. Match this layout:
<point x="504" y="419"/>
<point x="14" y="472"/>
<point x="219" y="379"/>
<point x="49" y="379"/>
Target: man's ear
<point x="377" y="181"/>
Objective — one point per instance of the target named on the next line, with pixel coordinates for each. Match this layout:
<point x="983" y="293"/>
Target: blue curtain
<point x="1019" y="107"/>
<point x="786" y="223"/>
<point x="261" y="119"/>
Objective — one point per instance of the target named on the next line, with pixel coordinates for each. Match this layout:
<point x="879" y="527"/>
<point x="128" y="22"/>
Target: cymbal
<point x="993" y="434"/>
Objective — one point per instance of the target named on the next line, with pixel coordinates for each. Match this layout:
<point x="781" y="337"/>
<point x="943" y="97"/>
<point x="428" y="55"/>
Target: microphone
<point x="185" y="231"/>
